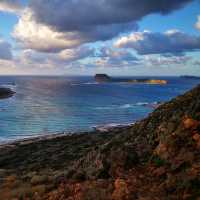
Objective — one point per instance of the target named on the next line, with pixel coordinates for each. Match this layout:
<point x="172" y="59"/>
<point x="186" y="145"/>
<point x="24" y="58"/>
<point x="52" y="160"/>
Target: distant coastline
<point x="190" y="77"/>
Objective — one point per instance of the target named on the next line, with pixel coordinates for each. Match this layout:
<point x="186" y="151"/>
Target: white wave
<point x="86" y="83"/>
<point x="105" y="108"/>
<point x="107" y="127"/>
<point x="128" y="106"/>
<point x="91" y="83"/>
<point x="125" y="106"/>
<point x="142" y="103"/>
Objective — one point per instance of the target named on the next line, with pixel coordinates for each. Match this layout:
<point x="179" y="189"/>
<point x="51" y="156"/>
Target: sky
<point x="82" y="37"/>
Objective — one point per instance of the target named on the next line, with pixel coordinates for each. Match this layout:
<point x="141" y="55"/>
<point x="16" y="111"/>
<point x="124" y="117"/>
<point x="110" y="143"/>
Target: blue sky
<point x="146" y="39"/>
<point x="7" y="22"/>
<point x="183" y="19"/>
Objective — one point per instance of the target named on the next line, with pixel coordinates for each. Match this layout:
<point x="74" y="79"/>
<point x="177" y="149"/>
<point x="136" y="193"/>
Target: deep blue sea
<point x="45" y="105"/>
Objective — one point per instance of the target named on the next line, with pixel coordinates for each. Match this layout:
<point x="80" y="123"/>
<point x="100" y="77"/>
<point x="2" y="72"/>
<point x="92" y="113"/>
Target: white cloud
<point x="50" y="60"/>
<point x="32" y="35"/>
<point x="172" y="32"/>
<point x="70" y="55"/>
<point x="133" y="37"/>
<point x="198" y="23"/>
<point x="169" y="42"/>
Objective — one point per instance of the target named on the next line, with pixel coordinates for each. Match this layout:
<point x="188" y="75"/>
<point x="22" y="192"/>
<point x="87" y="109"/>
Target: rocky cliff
<point x="158" y="158"/>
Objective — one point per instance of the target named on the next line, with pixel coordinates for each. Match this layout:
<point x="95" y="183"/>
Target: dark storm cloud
<point x="55" y="25"/>
<point x="82" y="15"/>
<point x="106" y="32"/>
<point x="5" y="50"/>
<point x="171" y="42"/>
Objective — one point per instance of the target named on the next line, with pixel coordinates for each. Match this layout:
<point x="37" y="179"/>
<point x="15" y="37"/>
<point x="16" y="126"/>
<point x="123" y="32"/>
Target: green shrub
<point x="158" y="161"/>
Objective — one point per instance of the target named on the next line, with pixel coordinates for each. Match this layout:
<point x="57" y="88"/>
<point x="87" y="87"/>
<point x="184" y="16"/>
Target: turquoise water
<point x="45" y="105"/>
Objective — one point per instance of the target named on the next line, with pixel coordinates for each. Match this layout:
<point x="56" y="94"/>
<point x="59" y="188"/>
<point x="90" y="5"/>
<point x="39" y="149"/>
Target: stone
<point x="6" y="93"/>
<point x="39" y="179"/>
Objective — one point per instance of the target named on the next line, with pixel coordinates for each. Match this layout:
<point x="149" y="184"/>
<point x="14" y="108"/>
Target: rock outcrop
<point x="6" y="93"/>
<point x="100" y="78"/>
<point x="157" y="158"/>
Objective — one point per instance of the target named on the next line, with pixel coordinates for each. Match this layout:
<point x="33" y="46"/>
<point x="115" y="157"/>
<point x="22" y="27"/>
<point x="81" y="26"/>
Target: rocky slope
<point x="157" y="158"/>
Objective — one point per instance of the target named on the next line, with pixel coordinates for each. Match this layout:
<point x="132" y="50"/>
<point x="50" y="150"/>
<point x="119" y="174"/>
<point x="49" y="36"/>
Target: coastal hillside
<point x="157" y="158"/>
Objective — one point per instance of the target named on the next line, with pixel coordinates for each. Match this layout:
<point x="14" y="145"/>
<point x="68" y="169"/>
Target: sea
<point x="59" y="104"/>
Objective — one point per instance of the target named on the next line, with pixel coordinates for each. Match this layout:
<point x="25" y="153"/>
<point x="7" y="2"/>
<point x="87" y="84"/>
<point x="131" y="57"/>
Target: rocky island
<point x="104" y="78"/>
<point x="157" y="158"/>
<point x="6" y="93"/>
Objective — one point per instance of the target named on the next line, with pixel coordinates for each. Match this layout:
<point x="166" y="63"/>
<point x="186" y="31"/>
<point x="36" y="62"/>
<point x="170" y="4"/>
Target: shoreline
<point x="51" y="152"/>
<point x="60" y="135"/>
<point x="42" y="137"/>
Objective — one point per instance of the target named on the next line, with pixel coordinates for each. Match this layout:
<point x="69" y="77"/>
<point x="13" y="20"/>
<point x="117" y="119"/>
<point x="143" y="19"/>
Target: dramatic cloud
<point x="12" y="6"/>
<point x="5" y="50"/>
<point x="51" y="26"/>
<point x="198" y="23"/>
<point x="84" y="15"/>
<point x="170" y="42"/>
<point x="40" y="37"/>
<point x="55" y="34"/>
